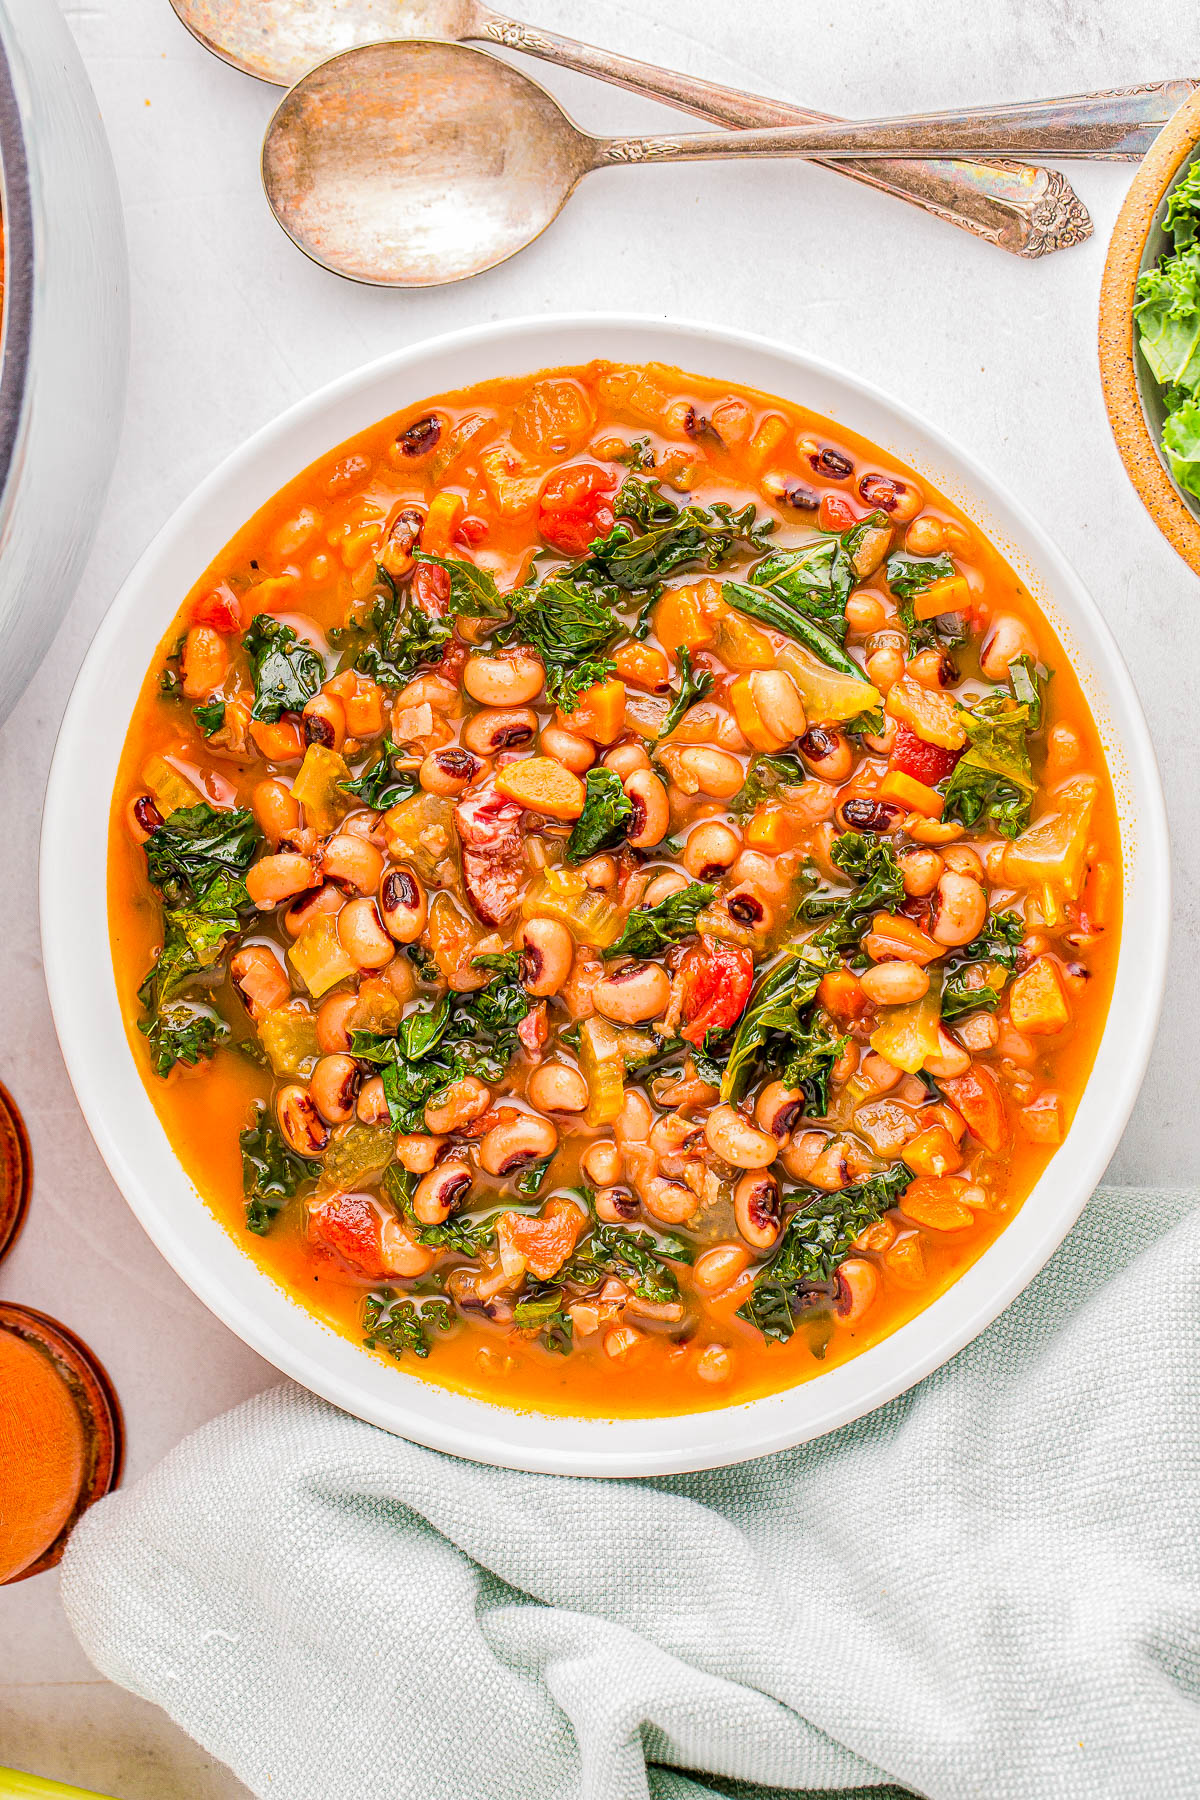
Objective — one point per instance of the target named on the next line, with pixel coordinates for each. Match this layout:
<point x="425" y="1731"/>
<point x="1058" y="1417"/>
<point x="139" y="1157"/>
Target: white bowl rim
<point x="119" y="1114"/>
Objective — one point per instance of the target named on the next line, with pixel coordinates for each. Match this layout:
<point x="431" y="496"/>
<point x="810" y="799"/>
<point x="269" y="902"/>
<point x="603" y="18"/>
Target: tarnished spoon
<point x="408" y="164"/>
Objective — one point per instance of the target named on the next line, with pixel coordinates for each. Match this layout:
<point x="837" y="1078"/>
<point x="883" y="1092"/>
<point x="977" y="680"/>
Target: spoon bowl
<point x="413" y="164"/>
<point x="283" y="41"/>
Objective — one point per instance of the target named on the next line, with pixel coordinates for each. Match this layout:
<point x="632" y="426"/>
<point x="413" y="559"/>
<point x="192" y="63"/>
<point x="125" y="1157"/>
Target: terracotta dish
<point x="1132" y="396"/>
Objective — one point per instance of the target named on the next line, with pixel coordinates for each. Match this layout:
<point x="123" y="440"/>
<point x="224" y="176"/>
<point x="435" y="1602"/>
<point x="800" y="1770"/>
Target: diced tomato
<point x="911" y="755"/>
<point x="221" y="609"/>
<point x="976" y="1095"/>
<point x="835" y="514"/>
<point x="572" y="509"/>
<point x="351" y="1226"/>
<point x="717" y="979"/>
<point x="472" y="530"/>
<point x="431" y="588"/>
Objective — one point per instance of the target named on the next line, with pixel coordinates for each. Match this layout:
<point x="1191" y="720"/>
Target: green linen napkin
<point x="990" y="1588"/>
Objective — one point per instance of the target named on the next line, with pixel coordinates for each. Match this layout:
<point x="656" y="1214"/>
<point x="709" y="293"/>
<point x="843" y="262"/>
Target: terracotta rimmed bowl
<point x="1131" y="394"/>
<point x="83" y="994"/>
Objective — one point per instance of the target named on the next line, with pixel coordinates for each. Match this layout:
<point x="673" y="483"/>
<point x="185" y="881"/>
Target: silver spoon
<point x="1027" y="211"/>
<point x="409" y="164"/>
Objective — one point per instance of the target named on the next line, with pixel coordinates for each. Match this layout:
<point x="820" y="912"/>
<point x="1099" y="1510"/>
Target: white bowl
<point x="126" y="1128"/>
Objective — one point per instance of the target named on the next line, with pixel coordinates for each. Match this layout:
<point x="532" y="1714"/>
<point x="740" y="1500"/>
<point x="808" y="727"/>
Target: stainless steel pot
<point x="64" y="347"/>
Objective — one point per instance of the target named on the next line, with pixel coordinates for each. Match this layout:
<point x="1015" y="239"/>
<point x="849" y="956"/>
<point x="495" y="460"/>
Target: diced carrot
<point x="1042" y="1120"/>
<point x="600" y="714"/>
<point x="1037" y="1004"/>
<point x="364" y="702"/>
<point x="279" y="741"/>
<point x="542" y="785"/>
<point x="892" y="935"/>
<point x="841" y="994"/>
<point x="219" y="608"/>
<point x="932" y="1152"/>
<point x="441" y="523"/>
<point x="936" y="1202"/>
<point x="835" y="514"/>
<point x="951" y="595"/>
<point x="773" y="828"/>
<point x="682" y="620"/>
<point x="976" y="1094"/>
<point x="940" y="1114"/>
<point x="766" y="440"/>
<point x="910" y="793"/>
<point x="642" y="666"/>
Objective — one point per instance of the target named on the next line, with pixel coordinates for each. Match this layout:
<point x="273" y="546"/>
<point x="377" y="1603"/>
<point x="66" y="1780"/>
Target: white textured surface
<point x="966" y="1592"/>
<point x="231" y="324"/>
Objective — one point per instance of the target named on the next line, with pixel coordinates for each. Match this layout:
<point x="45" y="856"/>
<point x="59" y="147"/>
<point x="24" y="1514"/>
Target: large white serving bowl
<point x="126" y="1128"/>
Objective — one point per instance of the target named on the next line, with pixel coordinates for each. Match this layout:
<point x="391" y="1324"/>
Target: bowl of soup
<point x="626" y="895"/>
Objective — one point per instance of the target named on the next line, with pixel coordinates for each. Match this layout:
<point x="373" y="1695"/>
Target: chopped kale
<point x="814" y="1241"/>
<point x="182" y="1033"/>
<point x="570" y="625"/>
<point x="170" y="679"/>
<point x="692" y="687"/>
<point x="778" y="1016"/>
<point x="381" y="784"/>
<point x="993" y="779"/>
<point x="271" y="1172"/>
<point x="209" y="716"/>
<point x="605" y="819"/>
<point x="816" y="578"/>
<point x="660" y="537"/>
<point x="871" y="864"/>
<point x="541" y="1309"/>
<point x="773" y="609"/>
<point x="398" y="1325"/>
<point x="908" y="576"/>
<point x="473" y="591"/>
<point x="194" y="845"/>
<point x="287" y="672"/>
<point x="634" y="1257"/>
<point x="766" y="774"/>
<point x="653" y="927"/>
<point x="464" y="1034"/>
<point x="976" y="977"/>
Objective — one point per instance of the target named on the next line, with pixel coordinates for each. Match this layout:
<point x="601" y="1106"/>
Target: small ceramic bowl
<point x="79" y="969"/>
<point x="1131" y="394"/>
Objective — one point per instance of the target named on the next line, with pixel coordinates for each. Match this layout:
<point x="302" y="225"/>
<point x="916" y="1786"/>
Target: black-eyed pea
<point x="757" y="1210"/>
<point x="334" y="1085"/>
<point x="372" y="1108"/>
<point x="438" y="1193"/>
<point x="403" y="905"/>
<point x="700" y="770"/>
<point x="779" y="1109"/>
<point x="1008" y="639"/>
<point x="959" y="909"/>
<point x="963" y="860"/>
<point x="601" y="1163"/>
<point x="802" y="1151"/>
<point x="615" y="1205"/>
<point x="670" y="1202"/>
<point x="574" y="753"/>
<point x="557" y="1087"/>
<point x="304" y="1131"/>
<point x="323" y="721"/>
<point x="417" y="1152"/>
<point x="457" y="1106"/>
<point x="333" y="1027"/>
<point x="710" y="850"/>
<point x="324" y="899"/>
<point x="894" y="983"/>
<point x="600" y="872"/>
<point x="143" y="817"/>
<point x="719" y="1267"/>
<point x="857" y="1284"/>
<point x="633" y="995"/>
<point x="737" y="1142"/>
<point x="547" y="952"/>
<point x="448" y="770"/>
<point x="920" y="870"/>
<point x="273" y="879"/>
<point x="623" y="759"/>
<point x="651" y="811"/>
<point x="831" y="1170"/>
<point x="511" y="679"/>
<point x="747" y="908"/>
<point x="495" y="729"/>
<point x="516" y="1143"/>
<point x="669" y="882"/>
<point x="362" y="935"/>
<point x="827" y="752"/>
<point x="352" y="861"/>
<point x="885" y="666"/>
<point x="633" y="1123"/>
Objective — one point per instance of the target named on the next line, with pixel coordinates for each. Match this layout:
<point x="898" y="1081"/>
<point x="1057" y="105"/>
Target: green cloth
<point x="987" y="1590"/>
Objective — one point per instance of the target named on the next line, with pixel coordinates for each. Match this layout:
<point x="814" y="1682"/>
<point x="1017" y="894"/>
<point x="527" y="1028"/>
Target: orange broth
<point x="313" y="551"/>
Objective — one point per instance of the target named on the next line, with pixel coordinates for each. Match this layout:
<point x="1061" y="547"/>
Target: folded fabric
<point x="990" y="1587"/>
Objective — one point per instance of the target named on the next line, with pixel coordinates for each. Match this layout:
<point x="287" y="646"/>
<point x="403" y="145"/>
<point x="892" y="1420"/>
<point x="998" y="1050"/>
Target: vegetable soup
<point x="615" y="891"/>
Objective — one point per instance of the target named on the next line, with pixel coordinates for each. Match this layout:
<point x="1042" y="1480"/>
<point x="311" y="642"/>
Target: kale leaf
<point x="773" y="609"/>
<point x="194" y="845"/>
<point x="816" y="578"/>
<point x="397" y="1325"/>
<point x="663" y="537"/>
<point x="993" y="779"/>
<point x="541" y="1309"/>
<point x="605" y="819"/>
<point x="1167" y="313"/>
<point x="473" y="591"/>
<point x="287" y="672"/>
<point x="811" y="1061"/>
<point x="777" y="1016"/>
<point x="570" y="625"/>
<point x="182" y="1033"/>
<point x="464" y="1034"/>
<point x="209" y="716"/>
<point x="908" y="576"/>
<point x="271" y="1172"/>
<point x="635" y="1257"/>
<point x="648" y="930"/>
<point x="381" y="784"/>
<point x="814" y="1241"/>
<point x="692" y="687"/>
<point x="871" y="864"/>
<point x="398" y="637"/>
<point x="976" y="977"/>
<point x="766" y="774"/>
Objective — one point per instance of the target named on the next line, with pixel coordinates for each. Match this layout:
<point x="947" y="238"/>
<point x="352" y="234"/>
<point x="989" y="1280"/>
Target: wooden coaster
<point x="16" y="1171"/>
<point x="96" y="1404"/>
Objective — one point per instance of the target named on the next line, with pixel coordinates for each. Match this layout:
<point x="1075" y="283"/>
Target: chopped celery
<point x="318" y="958"/>
<point x="420" y="831"/>
<point x="603" y="1069"/>
<point x="1051" y="854"/>
<point x="289" y="1036"/>
<point x="827" y="694"/>
<point x="318" y="787"/>
<point x="906" y="1035"/>
<point x="172" y="791"/>
<point x="564" y="895"/>
<point x="376" y="1009"/>
<point x="358" y="1158"/>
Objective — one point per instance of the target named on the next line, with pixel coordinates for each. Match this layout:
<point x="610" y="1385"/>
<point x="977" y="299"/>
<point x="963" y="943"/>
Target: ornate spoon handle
<point x="1025" y="210"/>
